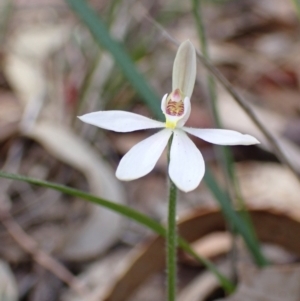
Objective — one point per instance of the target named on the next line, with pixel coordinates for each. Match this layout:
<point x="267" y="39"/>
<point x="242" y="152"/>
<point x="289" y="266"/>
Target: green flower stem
<point x="172" y="241"/>
<point x="172" y="238"/>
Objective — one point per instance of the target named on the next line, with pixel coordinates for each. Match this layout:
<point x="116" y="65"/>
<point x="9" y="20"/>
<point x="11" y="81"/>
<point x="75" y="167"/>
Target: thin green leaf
<point x="225" y="157"/>
<point x="6" y="10"/>
<point x="103" y="38"/>
<point x="128" y="212"/>
<point x="297" y="6"/>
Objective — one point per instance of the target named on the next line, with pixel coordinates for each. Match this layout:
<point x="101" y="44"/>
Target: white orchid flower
<point x="186" y="167"/>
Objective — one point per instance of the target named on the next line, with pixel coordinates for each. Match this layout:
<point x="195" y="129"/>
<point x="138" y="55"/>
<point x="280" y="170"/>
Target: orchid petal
<point x="163" y="103"/>
<point x="187" y="112"/>
<point x="184" y="69"/>
<point x="222" y="137"/>
<point x="186" y="167"/>
<point x="142" y="157"/>
<point x="120" y="121"/>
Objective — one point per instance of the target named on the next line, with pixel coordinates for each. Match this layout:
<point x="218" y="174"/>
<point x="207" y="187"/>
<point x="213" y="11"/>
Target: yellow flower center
<point x="170" y="124"/>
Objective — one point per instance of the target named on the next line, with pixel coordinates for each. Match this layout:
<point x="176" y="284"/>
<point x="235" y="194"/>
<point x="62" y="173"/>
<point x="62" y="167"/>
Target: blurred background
<point x="53" y="70"/>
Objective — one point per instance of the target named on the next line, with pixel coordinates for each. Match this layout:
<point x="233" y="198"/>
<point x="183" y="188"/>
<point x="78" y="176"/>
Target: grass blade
<point x="225" y="155"/>
<point x="104" y="39"/>
<point x="128" y="212"/>
<point x="297" y="6"/>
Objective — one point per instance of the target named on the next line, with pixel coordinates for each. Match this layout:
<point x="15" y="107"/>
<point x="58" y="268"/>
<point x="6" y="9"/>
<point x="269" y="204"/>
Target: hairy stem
<point x="172" y="239"/>
<point x="172" y="243"/>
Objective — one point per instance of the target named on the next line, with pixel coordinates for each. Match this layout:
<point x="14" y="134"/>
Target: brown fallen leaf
<point x="28" y="48"/>
<point x="275" y="123"/>
<point x="98" y="276"/>
<point x="211" y="246"/>
<point x="103" y="227"/>
<point x="272" y="226"/>
<point x="292" y="130"/>
<point x="274" y="283"/>
<point x="204" y="285"/>
<point x="272" y="184"/>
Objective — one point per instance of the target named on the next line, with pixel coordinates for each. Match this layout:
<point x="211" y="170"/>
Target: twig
<point x="235" y="95"/>
<point x="41" y="257"/>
